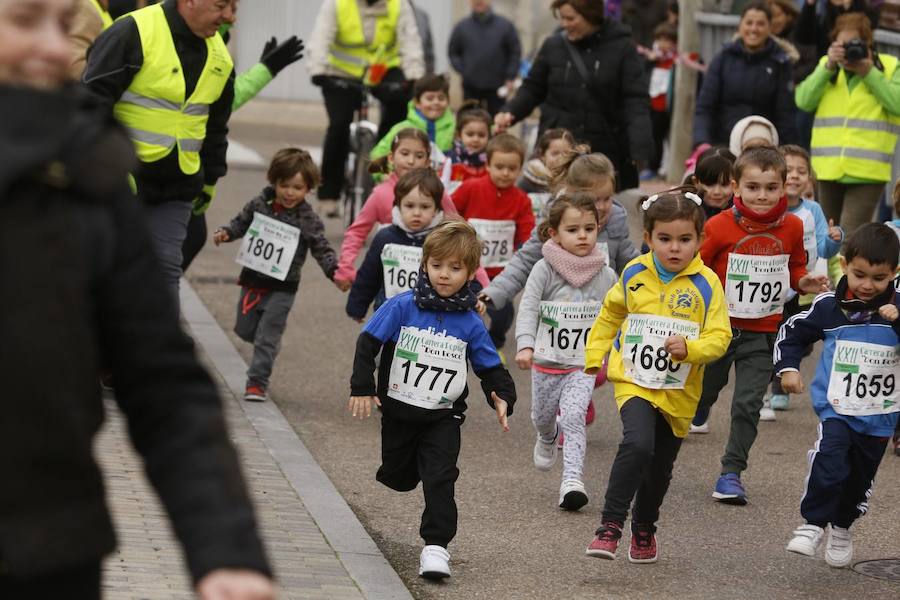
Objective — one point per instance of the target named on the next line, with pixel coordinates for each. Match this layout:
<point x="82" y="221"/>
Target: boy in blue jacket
<point x="855" y="391"/>
<point x="425" y="337"/>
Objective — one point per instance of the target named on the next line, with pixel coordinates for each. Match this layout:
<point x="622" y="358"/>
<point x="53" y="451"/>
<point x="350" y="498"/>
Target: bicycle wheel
<point x="360" y="181"/>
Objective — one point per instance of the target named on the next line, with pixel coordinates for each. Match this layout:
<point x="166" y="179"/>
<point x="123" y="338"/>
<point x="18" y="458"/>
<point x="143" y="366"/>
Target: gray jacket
<point x="512" y="279"/>
<point x="544" y="283"/>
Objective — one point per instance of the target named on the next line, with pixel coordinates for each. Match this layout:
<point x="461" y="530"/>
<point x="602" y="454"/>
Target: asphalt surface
<point x="513" y="541"/>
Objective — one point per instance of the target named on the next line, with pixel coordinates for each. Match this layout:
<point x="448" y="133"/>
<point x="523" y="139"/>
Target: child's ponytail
<point x="580" y="169"/>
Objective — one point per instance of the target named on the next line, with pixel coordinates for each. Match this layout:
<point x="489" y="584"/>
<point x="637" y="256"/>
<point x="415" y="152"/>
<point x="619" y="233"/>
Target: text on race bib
<point x="497" y="239"/>
<point x="644" y="355"/>
<point x="269" y="246"/>
<point x="428" y="369"/>
<point x="864" y="379"/>
<point x="563" y="330"/>
<point x="756" y="286"/>
<point x="401" y="268"/>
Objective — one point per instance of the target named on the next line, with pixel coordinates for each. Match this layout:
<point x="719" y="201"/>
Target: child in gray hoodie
<point x="562" y="297"/>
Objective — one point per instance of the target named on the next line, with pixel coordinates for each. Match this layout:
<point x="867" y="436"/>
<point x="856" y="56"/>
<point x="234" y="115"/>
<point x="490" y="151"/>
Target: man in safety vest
<point x="167" y="76"/>
<point x="353" y="39"/>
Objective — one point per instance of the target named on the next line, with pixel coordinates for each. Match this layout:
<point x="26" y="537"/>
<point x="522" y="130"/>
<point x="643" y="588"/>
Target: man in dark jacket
<point x="167" y="186"/>
<point x="485" y="49"/>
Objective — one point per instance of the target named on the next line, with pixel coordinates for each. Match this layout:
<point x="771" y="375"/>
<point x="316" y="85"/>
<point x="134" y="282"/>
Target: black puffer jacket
<point x="739" y="84"/>
<point x="81" y="289"/>
<point x="612" y="115"/>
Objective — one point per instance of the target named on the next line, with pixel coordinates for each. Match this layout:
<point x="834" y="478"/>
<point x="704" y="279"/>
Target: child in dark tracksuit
<point x="425" y="337"/>
<point x="265" y="301"/>
<point x="854" y="392"/>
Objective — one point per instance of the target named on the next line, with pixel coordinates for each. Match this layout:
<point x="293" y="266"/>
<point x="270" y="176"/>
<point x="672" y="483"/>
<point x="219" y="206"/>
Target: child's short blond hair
<point x="455" y="239"/>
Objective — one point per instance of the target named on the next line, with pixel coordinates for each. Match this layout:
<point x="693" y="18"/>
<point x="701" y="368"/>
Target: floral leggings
<point x="570" y="394"/>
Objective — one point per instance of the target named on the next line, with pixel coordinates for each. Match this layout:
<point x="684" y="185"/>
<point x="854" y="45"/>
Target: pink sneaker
<point x="606" y="541"/>
<point x="643" y="545"/>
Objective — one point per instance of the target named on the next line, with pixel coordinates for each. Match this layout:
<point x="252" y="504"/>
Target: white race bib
<point x="756" y="286"/>
<point x="644" y="355"/>
<point x="864" y="379"/>
<point x="563" y="331"/>
<point x="659" y="82"/>
<point x="428" y="369"/>
<point x="269" y="247"/>
<point x="401" y="268"/>
<point x="497" y="238"/>
<point x="539" y="202"/>
<point x="810" y="244"/>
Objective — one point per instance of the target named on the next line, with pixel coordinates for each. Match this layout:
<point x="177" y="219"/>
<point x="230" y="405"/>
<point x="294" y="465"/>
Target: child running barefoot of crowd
<point x="549" y="152"/>
<point x="473" y="131"/>
<point x="660" y="324"/>
<point x="425" y="336"/>
<point x="266" y="300"/>
<point x="854" y="391"/>
<point x="410" y="149"/>
<point x="821" y="239"/>
<point x="561" y="300"/>
<point x="392" y="263"/>
<point x="757" y="251"/>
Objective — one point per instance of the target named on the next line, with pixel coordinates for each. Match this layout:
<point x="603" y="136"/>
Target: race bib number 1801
<point x="269" y="247"/>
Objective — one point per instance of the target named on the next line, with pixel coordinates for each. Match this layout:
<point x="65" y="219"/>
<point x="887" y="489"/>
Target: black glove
<point x="277" y="56"/>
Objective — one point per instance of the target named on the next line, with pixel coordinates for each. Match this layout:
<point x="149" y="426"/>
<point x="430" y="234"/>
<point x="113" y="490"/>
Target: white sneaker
<point x="699" y="428"/>
<point x="766" y="413"/>
<point x="545" y="453"/>
<point x="434" y="563"/>
<point x="839" y="549"/>
<point x="806" y="540"/>
<point x="572" y="495"/>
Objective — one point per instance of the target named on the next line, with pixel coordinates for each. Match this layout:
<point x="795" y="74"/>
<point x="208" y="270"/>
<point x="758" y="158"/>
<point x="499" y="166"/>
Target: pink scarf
<point x="577" y="270"/>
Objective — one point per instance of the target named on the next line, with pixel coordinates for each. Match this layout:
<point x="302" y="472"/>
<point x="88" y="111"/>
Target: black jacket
<point x="485" y="50"/>
<point x="612" y="115"/>
<point x="114" y="60"/>
<point x="81" y="291"/>
<point x="812" y="28"/>
<point x="739" y="84"/>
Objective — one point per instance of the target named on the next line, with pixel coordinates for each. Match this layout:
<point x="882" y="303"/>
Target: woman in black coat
<point x="611" y="111"/>
<point x="752" y="75"/>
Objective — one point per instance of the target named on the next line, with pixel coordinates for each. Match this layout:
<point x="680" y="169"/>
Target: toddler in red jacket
<point x="500" y="213"/>
<point x="756" y="249"/>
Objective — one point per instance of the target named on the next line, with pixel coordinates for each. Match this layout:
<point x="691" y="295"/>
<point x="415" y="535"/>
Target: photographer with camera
<point x="855" y="94"/>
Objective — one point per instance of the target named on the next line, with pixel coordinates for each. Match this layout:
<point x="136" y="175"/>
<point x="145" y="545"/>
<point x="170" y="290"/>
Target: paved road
<point x="513" y="542"/>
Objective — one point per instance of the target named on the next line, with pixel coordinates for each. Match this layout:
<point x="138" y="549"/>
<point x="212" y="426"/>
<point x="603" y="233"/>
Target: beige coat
<point x="86" y="26"/>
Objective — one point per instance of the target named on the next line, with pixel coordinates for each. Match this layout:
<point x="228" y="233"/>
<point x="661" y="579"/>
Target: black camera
<point x="855" y="50"/>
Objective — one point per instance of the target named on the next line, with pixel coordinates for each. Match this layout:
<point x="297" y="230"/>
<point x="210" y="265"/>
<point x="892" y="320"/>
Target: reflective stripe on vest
<point x="154" y="108"/>
<point x="104" y="14"/>
<point x="350" y="53"/>
<point x="853" y="135"/>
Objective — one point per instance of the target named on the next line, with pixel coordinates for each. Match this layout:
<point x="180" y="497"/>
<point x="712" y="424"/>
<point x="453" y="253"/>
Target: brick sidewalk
<point x="149" y="563"/>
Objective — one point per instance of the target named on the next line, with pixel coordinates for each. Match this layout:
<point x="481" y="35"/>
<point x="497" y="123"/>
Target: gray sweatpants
<point x="263" y="322"/>
<point x="570" y="394"/>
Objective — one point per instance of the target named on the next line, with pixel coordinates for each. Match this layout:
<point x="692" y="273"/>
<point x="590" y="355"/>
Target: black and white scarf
<point x="428" y="299"/>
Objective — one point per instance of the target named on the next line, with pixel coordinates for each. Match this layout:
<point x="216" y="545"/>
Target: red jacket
<point x="479" y="198"/>
<point x="725" y="235"/>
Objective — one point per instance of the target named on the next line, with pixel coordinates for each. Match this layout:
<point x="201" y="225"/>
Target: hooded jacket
<point x="612" y="114"/>
<point x="739" y="84"/>
<point x="95" y="297"/>
<point x="441" y="132"/>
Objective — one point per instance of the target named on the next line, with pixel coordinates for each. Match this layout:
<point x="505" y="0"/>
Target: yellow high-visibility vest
<point x="853" y="134"/>
<point x="104" y="14"/>
<point x="154" y="108"/>
<point x="349" y="51"/>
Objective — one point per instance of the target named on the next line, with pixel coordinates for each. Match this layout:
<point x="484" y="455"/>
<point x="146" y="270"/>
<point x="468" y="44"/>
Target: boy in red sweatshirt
<point x="756" y="249"/>
<point x="501" y="214"/>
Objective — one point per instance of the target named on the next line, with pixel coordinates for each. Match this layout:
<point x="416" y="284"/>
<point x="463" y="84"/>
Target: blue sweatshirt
<point x="826" y="321"/>
<point x="381" y="334"/>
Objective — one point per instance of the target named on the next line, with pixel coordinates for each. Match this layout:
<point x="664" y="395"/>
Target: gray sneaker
<point x="545" y="453"/>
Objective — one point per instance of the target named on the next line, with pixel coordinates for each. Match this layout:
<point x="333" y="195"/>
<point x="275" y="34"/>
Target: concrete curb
<point x="354" y="547"/>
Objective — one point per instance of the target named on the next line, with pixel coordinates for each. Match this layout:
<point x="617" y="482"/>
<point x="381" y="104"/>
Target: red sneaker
<point x="643" y="544"/>
<point x="591" y="414"/>
<point x="606" y="541"/>
<point x="255" y="393"/>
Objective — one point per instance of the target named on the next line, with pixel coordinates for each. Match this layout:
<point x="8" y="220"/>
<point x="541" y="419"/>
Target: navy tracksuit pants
<point x="842" y="470"/>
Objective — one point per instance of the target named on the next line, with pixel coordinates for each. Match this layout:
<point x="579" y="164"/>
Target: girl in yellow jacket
<point x="663" y="320"/>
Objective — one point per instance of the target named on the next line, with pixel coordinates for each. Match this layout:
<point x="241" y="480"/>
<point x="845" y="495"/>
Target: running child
<point x="432" y="329"/>
<point x="271" y="275"/>
<point x="501" y="214"/>
<point x="410" y="149"/>
<point x="854" y="391"/>
<point x="561" y="300"/>
<point x="660" y="324"/>
<point x="392" y="263"/>
<point x="549" y="152"/>
<point x="895" y="227"/>
<point x="712" y="178"/>
<point x="821" y="239"/>
<point x="468" y="156"/>
<point x="756" y="249"/>
<point x="429" y="111"/>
